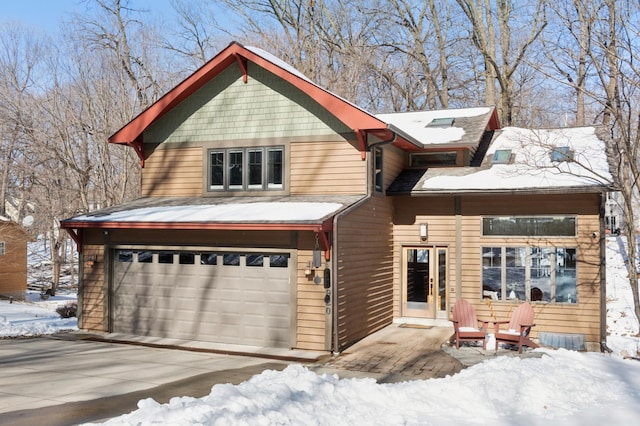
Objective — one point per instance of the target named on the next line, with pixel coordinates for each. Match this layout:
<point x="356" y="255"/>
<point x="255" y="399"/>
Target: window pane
<point x="491" y="273"/>
<point x="186" y="258"/>
<point x="566" y="289"/>
<point x="125" y="256"/>
<point x="274" y="168"/>
<point x="255" y="168"/>
<point x="145" y="257"/>
<point x="516" y="263"/>
<point x="434" y="159"/>
<point x="165" y="257"/>
<point x="541" y="272"/>
<point x="529" y="226"/>
<point x="208" y="258"/>
<point x="379" y="175"/>
<point x="231" y="259"/>
<point x="279" y="261"/>
<point x="255" y="260"/>
<point x="235" y="169"/>
<point x="217" y="170"/>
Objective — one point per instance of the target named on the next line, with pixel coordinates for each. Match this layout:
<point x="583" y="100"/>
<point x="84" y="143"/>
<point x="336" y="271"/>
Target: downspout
<point x="334" y="248"/>
<point x="603" y="277"/>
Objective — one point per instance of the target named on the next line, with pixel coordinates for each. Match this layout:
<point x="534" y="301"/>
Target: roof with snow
<point x="286" y="212"/>
<point x="450" y="128"/>
<point x="580" y="164"/>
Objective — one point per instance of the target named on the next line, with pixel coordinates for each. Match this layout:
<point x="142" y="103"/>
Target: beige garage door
<point x="224" y="297"/>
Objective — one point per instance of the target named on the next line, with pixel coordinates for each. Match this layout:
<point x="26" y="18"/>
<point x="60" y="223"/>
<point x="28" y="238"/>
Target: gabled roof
<point x="530" y="169"/>
<point x="351" y="115"/>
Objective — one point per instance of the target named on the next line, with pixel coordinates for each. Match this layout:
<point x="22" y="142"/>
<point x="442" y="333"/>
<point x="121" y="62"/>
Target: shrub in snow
<point x="67" y="311"/>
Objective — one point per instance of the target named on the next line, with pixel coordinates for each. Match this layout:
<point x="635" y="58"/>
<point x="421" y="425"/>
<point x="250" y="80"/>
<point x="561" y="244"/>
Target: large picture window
<point x="536" y="274"/>
<point x="241" y="169"/>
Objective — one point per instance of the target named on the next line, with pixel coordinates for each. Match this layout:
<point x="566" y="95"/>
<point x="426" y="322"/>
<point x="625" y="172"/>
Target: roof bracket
<point x="139" y="148"/>
<point x="362" y="143"/>
<point x="76" y="236"/>
<point x="242" y="62"/>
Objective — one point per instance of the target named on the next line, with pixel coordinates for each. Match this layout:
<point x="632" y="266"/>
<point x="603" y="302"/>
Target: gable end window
<point x="245" y="169"/>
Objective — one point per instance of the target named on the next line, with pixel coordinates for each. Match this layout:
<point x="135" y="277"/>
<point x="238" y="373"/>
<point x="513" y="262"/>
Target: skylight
<point x="501" y="156"/>
<point x="441" y="122"/>
<point x="561" y="153"/>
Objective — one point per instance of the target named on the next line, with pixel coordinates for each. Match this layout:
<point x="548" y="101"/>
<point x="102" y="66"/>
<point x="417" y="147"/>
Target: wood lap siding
<point x="583" y="317"/>
<point x="13" y="263"/>
<point x="365" y="271"/>
<point x="326" y="168"/>
<point x="93" y="308"/>
<point x="173" y="172"/>
<point x="310" y="330"/>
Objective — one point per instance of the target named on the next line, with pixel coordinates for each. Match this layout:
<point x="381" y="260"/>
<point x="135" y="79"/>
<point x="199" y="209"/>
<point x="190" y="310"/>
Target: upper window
<point x="534" y="226"/>
<point x="2" y="248"/>
<point x="433" y="159"/>
<point x="242" y="169"/>
<point x="561" y="153"/>
<point x="379" y="175"/>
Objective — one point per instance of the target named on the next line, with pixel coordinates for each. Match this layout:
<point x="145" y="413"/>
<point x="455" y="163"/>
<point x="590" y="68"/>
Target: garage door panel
<point x="236" y="303"/>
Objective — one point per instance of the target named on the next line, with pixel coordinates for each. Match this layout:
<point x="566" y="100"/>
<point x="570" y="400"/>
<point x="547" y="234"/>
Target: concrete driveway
<point x="74" y="378"/>
<point x="60" y="382"/>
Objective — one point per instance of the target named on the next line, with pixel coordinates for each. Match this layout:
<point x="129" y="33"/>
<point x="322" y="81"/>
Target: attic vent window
<point x="502" y="156"/>
<point x="561" y="153"/>
<point x="441" y="122"/>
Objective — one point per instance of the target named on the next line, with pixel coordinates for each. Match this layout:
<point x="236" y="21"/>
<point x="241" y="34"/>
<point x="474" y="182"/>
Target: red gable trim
<point x="349" y="114"/>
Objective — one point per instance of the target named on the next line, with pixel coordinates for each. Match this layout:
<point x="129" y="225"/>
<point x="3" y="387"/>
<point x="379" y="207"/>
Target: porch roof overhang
<point x="357" y="119"/>
<point x="279" y="213"/>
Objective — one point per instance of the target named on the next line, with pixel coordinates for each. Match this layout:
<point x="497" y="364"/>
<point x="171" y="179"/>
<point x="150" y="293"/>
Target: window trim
<point x="267" y="166"/>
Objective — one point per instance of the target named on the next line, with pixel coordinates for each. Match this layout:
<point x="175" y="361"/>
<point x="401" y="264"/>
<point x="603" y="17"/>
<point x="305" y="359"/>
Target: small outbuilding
<point x="13" y="259"/>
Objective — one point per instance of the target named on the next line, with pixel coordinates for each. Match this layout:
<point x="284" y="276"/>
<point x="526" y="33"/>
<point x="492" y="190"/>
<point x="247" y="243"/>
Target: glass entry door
<point x="424" y="282"/>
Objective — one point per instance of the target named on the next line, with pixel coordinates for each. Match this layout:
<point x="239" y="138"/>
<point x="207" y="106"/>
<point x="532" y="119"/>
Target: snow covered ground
<point x="561" y="387"/>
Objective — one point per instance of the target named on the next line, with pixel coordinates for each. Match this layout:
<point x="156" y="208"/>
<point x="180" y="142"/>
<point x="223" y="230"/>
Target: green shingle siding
<point x="227" y="109"/>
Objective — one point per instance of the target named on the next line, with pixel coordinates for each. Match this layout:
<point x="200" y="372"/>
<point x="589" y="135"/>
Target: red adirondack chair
<point x="518" y="329"/>
<point x="466" y="324"/>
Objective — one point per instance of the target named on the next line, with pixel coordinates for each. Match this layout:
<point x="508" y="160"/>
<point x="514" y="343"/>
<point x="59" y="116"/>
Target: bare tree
<point x="505" y="50"/>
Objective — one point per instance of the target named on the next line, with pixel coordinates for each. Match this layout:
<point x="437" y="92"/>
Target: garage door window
<point x="279" y="261"/>
<point x="125" y="256"/>
<point x="187" y="258"/>
<point x="231" y="259"/>
<point x="255" y="260"/>
<point x="165" y="257"/>
<point x="145" y="257"/>
<point x="208" y="258"/>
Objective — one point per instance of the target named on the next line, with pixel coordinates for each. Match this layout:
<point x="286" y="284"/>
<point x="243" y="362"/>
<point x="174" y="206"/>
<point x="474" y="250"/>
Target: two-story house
<point x="277" y="214"/>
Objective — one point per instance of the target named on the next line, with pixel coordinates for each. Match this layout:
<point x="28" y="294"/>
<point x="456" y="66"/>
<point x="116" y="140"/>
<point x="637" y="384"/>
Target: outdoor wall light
<point x="91" y="260"/>
<point x="308" y="271"/>
<point x="423" y="232"/>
